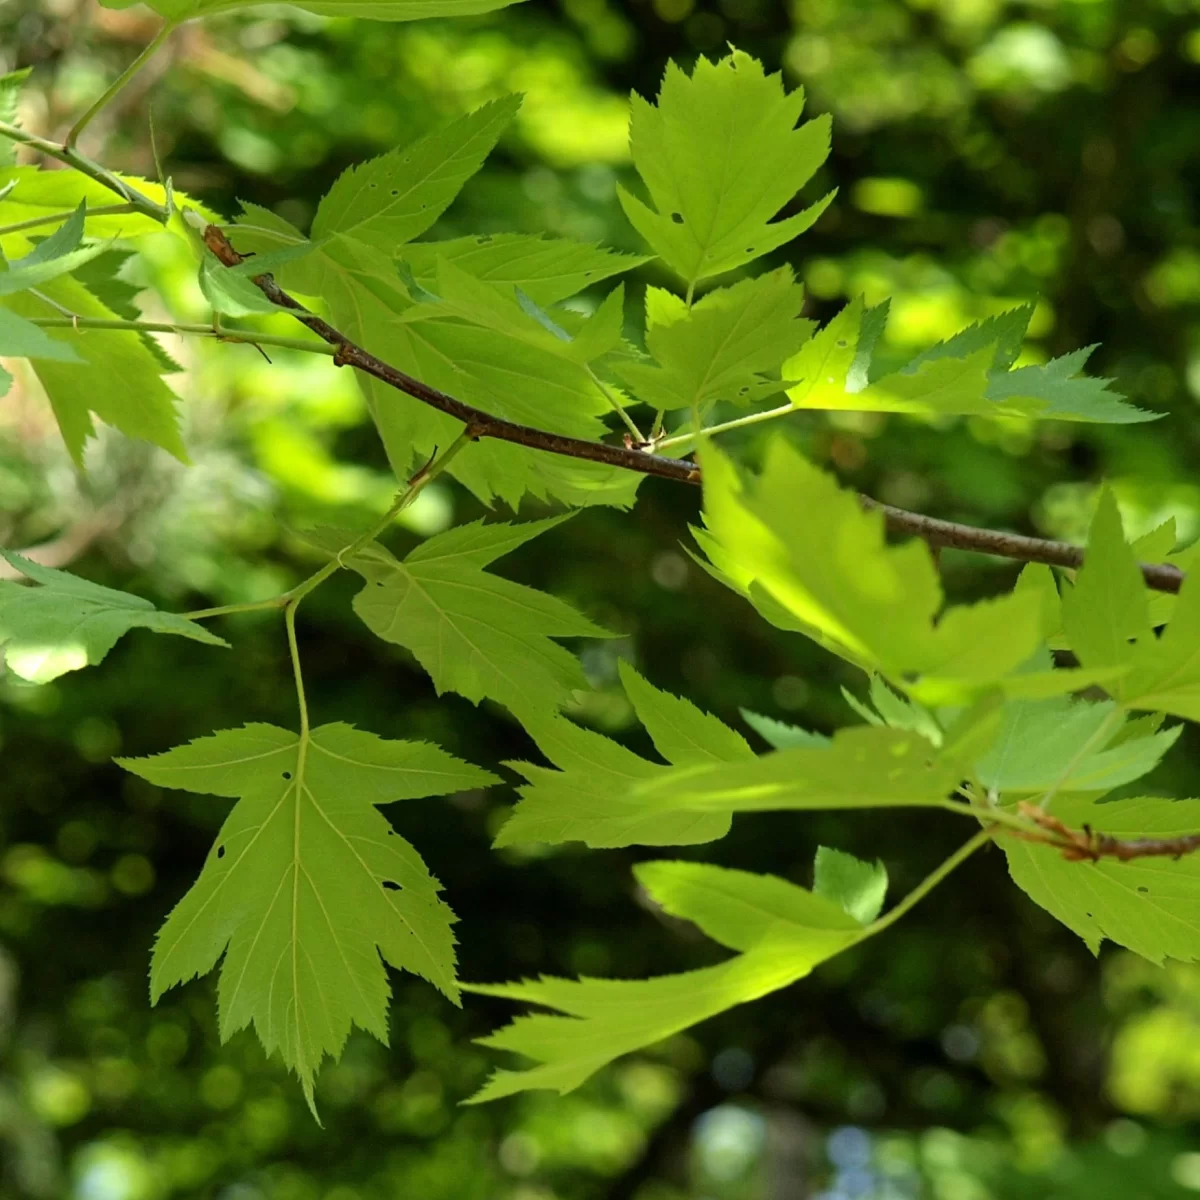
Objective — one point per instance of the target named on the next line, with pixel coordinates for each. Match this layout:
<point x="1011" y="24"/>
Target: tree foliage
<point x="307" y="890"/>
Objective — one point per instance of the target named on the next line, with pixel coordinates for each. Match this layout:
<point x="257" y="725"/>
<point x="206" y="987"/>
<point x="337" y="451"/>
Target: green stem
<point x="121" y="80"/>
<point x="289" y="618"/>
<point x="993" y="816"/>
<point x="415" y="486"/>
<point x="222" y="334"/>
<point x="137" y="202"/>
<point x="618" y="407"/>
<point x="103" y="210"/>
<point x="225" y="610"/>
<point x="753" y="419"/>
<point x="929" y="882"/>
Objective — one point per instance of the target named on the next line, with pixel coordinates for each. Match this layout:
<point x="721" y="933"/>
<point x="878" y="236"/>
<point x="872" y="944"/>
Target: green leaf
<point x="231" y="293"/>
<point x="490" y="370"/>
<point x="745" y="911"/>
<point x="377" y="10"/>
<point x="856" y="887"/>
<point x="1051" y="392"/>
<point x="53" y="256"/>
<point x="779" y="735"/>
<point x="966" y="375"/>
<point x="397" y="196"/>
<point x="589" y="798"/>
<point x="838" y="580"/>
<point x="545" y="269"/>
<point x="874" y="321"/>
<point x="118" y="379"/>
<point x="720" y="155"/>
<point x="681" y="732"/>
<point x="783" y="930"/>
<point x="10" y="99"/>
<point x="307" y="884"/>
<point x="722" y="347"/>
<point x="822" y="365"/>
<point x="1106" y="613"/>
<point x="475" y="633"/>
<point x="515" y="315"/>
<point x="1149" y="905"/>
<point x="62" y="241"/>
<point x="43" y="193"/>
<point x="23" y="339"/>
<point x="862" y="767"/>
<point x="67" y="623"/>
<point x="1062" y="743"/>
<point x="1166" y="670"/>
<point x="102" y="278"/>
<point x="1003" y="335"/>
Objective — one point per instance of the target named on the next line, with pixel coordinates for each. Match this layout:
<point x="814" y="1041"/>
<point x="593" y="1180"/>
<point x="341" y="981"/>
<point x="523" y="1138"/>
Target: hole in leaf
<point x="372" y="186"/>
<point x="743" y="391"/>
<point x="749" y="249"/>
<point x="287" y="774"/>
<point x="485" y="240"/>
<point x="395" y="191"/>
<point x="1144" y="890"/>
<point x="379" y="583"/>
<point x="842" y="343"/>
<point x="221" y="854"/>
<point x="390" y="886"/>
<point x="677" y="218"/>
<point x="1089" y="914"/>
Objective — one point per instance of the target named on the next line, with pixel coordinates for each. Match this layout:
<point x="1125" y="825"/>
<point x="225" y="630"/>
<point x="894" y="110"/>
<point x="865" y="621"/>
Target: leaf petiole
<point x="117" y="84"/>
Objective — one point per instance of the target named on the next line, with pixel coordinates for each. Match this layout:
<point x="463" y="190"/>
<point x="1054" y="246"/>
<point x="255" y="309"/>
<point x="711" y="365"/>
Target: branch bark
<point x="1161" y="577"/>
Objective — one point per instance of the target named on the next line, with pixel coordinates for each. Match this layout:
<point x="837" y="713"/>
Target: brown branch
<point x="1086" y="845"/>
<point x="936" y="532"/>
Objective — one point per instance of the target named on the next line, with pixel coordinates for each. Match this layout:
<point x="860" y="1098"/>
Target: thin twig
<point x="1162" y="578"/>
<point x="1086" y="845"/>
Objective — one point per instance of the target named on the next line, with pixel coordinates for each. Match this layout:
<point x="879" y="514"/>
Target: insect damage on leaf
<point x="307" y="884"/>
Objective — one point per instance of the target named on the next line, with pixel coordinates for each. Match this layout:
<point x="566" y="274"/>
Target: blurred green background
<point x="986" y="152"/>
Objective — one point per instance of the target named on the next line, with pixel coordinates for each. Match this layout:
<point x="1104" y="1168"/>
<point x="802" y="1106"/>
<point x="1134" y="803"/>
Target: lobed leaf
<point x="783" y="931"/>
<point x="475" y="633"/>
<point x="720" y="155"/>
<point x="836" y="579"/>
<point x="591" y="797"/>
<point x="65" y="623"/>
<point x="1149" y="905"/>
<point x="728" y="346"/>
<point x="307" y="884"/>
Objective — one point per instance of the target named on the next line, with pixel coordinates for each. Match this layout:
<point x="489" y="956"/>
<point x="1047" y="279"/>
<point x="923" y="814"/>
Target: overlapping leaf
<point x="529" y="381"/>
<point x="474" y="632"/>
<point x="65" y="623"/>
<point x="969" y="374"/>
<point x="590" y="798"/>
<point x="723" y="348"/>
<point x="546" y="269"/>
<point x="1150" y="905"/>
<point x="1106" y="615"/>
<point x="113" y="377"/>
<point x="307" y="884"/>
<point x="781" y="930"/>
<point x="396" y="197"/>
<point x="720" y="155"/>
<point x="811" y="559"/>
<point x="1070" y="745"/>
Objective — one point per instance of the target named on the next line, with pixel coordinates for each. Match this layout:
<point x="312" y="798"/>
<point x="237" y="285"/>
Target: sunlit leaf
<point x="65" y="622"/>
<point x="307" y="884"/>
<point x="720" y="155"/>
<point x="782" y="930"/>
